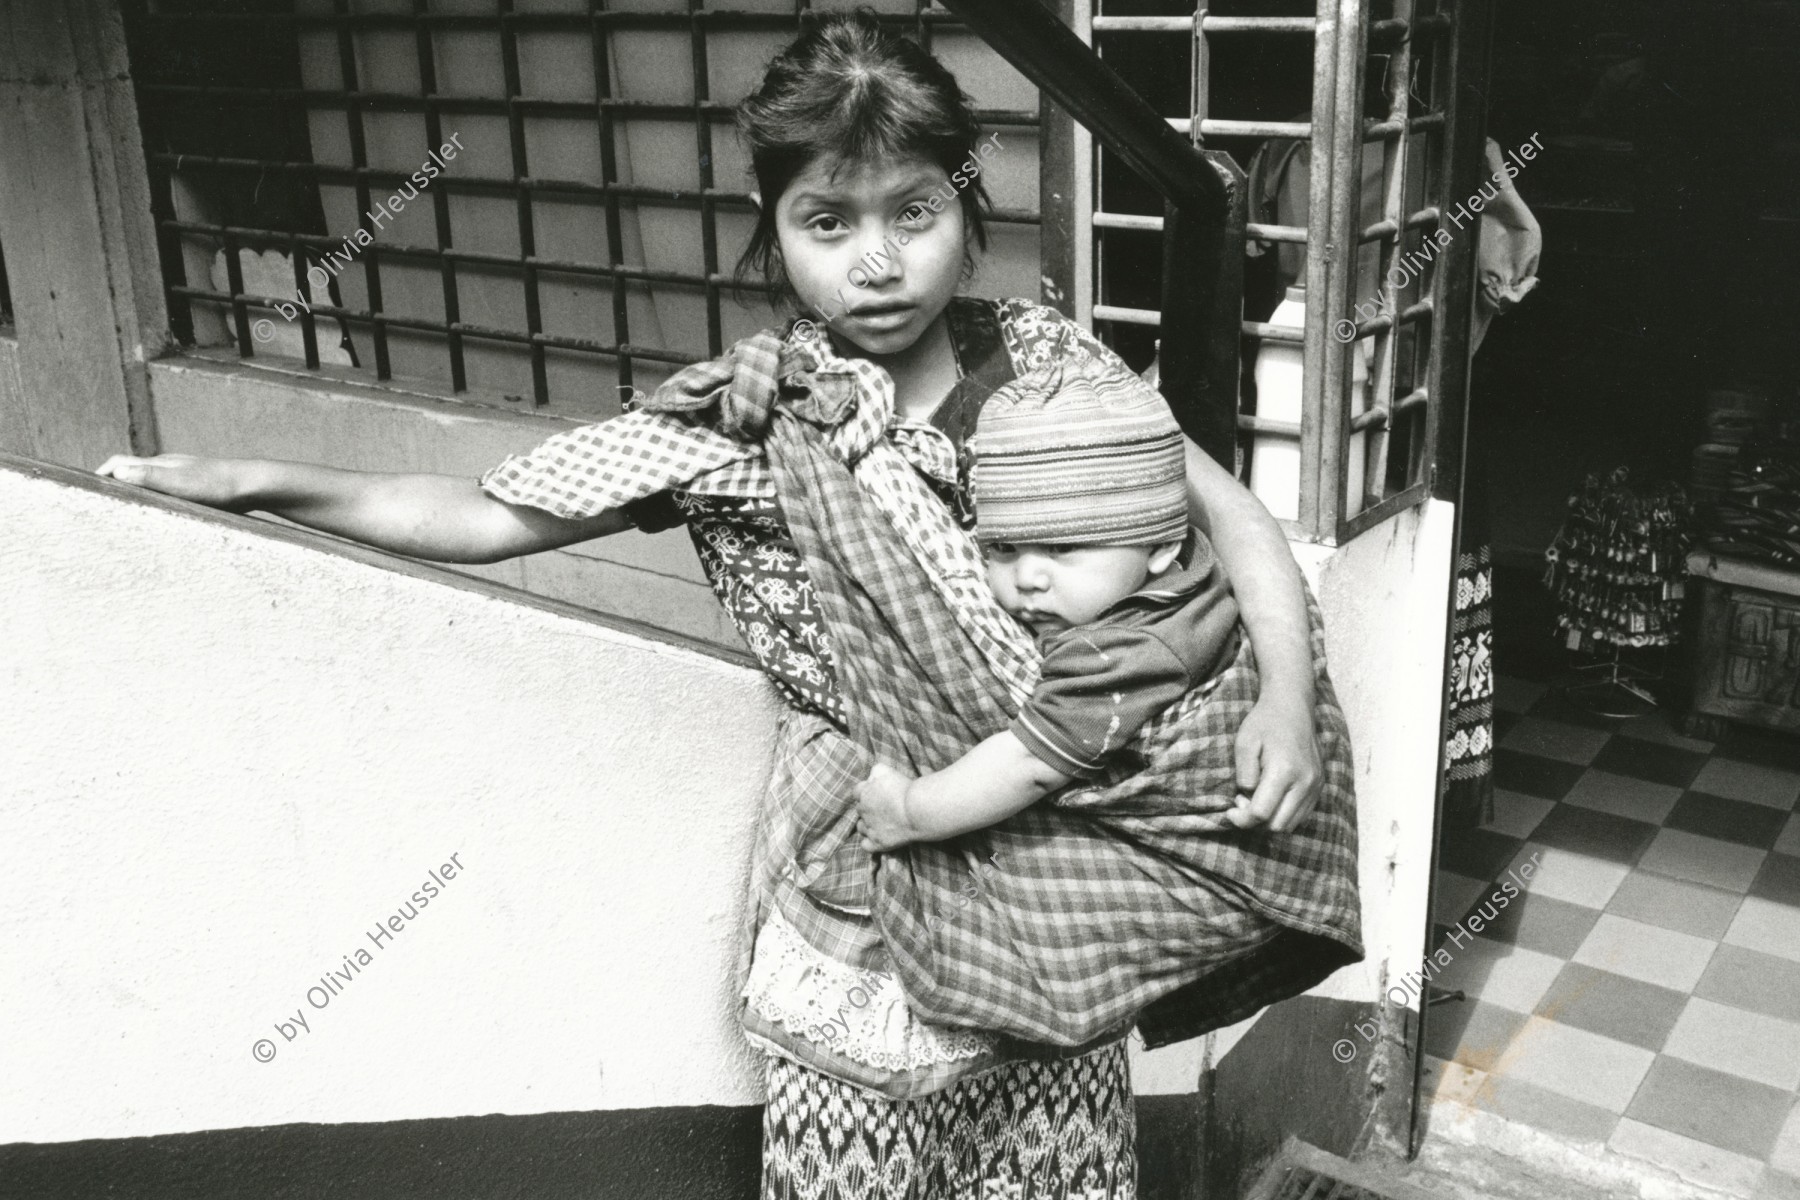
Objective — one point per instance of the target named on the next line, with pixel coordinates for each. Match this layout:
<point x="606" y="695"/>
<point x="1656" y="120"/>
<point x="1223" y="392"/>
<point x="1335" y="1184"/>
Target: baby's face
<point x="1054" y="587"/>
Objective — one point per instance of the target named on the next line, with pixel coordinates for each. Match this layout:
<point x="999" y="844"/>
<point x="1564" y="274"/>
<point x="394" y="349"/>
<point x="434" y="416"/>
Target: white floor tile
<point x="1777" y="1185"/>
<point x="1566" y="875"/>
<point x="1575" y="1063"/>
<point x="1768" y="926"/>
<point x="1553" y="739"/>
<point x="1509" y="976"/>
<point x="1703" y="860"/>
<point x="1623" y="796"/>
<point x="1786" y="1155"/>
<point x="1516" y="814"/>
<point x="1647" y="952"/>
<point x="1695" y="1161"/>
<point x="1749" y="781"/>
<point x="1746" y="1044"/>
<point x="1452" y="1082"/>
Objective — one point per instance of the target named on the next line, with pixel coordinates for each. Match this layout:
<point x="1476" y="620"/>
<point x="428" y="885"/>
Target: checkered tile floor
<point x="1644" y="990"/>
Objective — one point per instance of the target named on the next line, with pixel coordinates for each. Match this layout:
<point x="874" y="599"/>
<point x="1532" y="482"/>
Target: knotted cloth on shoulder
<point x="1129" y="899"/>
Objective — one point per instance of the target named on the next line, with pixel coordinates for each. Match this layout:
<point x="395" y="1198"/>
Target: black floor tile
<point x="1728" y="820"/>
<point x="1626" y="1010"/>
<point x="1554" y="706"/>
<point x="1764" y="746"/>
<point x="1544" y="778"/>
<point x="1779" y="880"/>
<point x="1649" y="761"/>
<point x="1503" y="722"/>
<point x="1595" y="834"/>
<point x="1472" y="1033"/>
<point x="1477" y="853"/>
<point x="1537" y="922"/>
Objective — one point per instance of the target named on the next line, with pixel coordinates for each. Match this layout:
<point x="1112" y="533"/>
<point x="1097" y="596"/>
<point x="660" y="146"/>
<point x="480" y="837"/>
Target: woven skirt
<point x="1469" y="745"/>
<point x="1062" y="1129"/>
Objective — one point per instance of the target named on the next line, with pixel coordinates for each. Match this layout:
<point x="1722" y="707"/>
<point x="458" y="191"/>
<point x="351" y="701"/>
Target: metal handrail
<point x="1203" y="226"/>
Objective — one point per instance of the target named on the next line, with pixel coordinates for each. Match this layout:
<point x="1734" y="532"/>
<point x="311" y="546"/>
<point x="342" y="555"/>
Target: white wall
<point x="1384" y="598"/>
<point x="230" y="755"/>
<point x="232" y="751"/>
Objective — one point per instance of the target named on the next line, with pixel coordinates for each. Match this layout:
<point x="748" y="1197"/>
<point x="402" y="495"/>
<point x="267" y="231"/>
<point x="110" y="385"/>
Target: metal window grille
<point x="1407" y="440"/>
<point x="584" y="238"/>
<point x="6" y="310"/>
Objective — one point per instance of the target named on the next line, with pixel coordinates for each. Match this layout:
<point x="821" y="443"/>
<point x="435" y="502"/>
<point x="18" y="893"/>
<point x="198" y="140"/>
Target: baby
<point x="1081" y="508"/>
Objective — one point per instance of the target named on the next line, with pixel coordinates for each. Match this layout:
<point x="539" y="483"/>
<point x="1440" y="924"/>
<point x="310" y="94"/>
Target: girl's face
<point x="865" y="249"/>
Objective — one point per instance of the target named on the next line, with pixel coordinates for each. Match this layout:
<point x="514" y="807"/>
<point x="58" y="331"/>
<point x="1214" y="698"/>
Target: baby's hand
<point x="881" y="810"/>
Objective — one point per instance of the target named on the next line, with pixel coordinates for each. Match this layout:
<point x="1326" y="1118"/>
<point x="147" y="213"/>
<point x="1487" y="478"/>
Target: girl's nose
<point x="880" y="261"/>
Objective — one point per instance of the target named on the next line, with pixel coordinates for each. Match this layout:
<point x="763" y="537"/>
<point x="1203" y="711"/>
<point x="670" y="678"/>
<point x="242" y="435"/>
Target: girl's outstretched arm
<point x="444" y="518"/>
<point x="1278" y="761"/>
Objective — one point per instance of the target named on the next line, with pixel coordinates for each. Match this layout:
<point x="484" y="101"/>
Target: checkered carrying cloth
<point x="1130" y="898"/>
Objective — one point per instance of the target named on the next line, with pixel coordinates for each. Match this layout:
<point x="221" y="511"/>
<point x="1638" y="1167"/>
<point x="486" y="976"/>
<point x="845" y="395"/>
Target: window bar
<point x="240" y="312"/>
<point x="162" y="198"/>
<point x="309" y="333"/>
<point x="709" y="225"/>
<point x="1395" y="180"/>
<point x="601" y="42"/>
<point x="359" y="158"/>
<point x="422" y="325"/>
<point x="440" y="201"/>
<point x="515" y="120"/>
<point x="1200" y="95"/>
<point x="922" y="30"/>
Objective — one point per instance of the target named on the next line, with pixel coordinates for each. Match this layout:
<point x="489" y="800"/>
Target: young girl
<point x="786" y="458"/>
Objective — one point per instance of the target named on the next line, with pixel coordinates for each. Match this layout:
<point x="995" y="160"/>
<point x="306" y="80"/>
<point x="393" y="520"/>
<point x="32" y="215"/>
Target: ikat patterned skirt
<point x="1029" y="1130"/>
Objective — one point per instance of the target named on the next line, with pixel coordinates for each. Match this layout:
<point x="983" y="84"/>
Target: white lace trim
<point x="862" y="1015"/>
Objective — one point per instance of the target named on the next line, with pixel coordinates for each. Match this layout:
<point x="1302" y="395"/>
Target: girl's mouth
<point x="883" y="316"/>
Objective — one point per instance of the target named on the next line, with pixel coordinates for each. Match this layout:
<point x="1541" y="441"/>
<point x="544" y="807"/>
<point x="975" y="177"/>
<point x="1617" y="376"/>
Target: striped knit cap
<point x="1081" y="457"/>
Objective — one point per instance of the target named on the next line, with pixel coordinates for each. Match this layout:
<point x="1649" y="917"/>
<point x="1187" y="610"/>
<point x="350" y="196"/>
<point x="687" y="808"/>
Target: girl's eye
<point x="1059" y="549"/>
<point x="916" y="215"/>
<point x="1001" y="549"/>
<point x="826" y="223"/>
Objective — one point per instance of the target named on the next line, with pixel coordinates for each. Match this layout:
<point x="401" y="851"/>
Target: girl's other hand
<point x="1278" y="767"/>
<point x="881" y="816"/>
<point x="210" y="481"/>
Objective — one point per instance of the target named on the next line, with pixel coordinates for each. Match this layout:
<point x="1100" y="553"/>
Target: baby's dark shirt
<point x="1102" y="681"/>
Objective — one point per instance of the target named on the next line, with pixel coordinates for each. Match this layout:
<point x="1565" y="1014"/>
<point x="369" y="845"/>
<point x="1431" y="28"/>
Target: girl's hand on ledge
<point x="1278" y="766"/>
<point x="210" y="481"/>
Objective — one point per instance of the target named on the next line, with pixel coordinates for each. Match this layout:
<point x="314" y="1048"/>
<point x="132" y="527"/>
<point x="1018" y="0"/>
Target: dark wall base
<point x="710" y="1153"/>
<point x="707" y="1153"/>
<point x="1284" y="1078"/>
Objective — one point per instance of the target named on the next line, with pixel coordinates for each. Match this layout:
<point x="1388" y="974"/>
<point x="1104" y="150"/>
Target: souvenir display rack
<point x="1618" y="571"/>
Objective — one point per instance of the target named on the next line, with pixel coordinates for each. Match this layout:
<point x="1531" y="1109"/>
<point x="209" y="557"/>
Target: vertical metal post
<point x="1319" y="253"/>
<point x="1333" y="468"/>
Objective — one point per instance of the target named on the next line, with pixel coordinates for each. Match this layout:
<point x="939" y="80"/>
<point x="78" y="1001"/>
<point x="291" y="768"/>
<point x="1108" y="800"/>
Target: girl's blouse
<point x="738" y="530"/>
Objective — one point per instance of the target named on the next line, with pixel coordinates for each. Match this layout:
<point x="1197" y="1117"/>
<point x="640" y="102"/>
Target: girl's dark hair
<point x="849" y="89"/>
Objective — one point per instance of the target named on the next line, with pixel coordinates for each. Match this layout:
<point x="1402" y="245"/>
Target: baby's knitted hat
<point x="1079" y="456"/>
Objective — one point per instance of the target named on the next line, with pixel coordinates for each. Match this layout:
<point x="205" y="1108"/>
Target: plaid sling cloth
<point x="1129" y="894"/>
